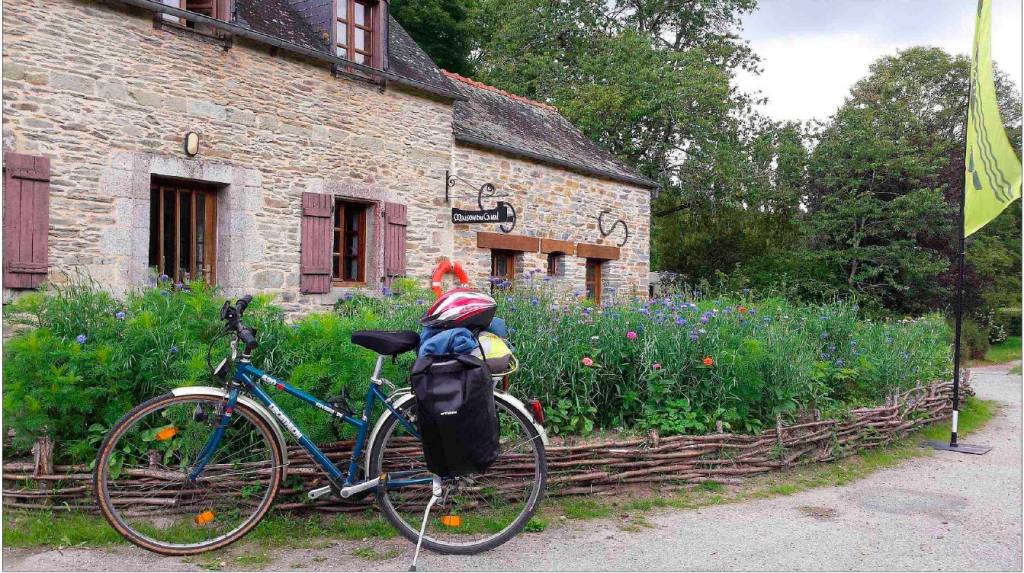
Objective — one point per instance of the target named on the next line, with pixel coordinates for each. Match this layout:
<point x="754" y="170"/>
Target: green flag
<point x="993" y="178"/>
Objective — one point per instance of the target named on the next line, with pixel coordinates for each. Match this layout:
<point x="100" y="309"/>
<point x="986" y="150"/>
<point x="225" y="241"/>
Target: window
<point x="503" y="266"/>
<point x="183" y="231"/>
<point x="353" y="30"/>
<point x="349" y="260"/>
<point x="594" y="280"/>
<point x="555" y="262"/>
<point x="218" y="9"/>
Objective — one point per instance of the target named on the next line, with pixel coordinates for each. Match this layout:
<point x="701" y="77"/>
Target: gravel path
<point x="950" y="512"/>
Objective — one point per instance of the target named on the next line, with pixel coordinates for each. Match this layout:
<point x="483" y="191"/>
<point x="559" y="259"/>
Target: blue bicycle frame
<point x="251" y="378"/>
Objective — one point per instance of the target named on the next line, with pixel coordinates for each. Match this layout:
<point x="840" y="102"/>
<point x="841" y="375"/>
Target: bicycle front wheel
<point x="142" y="477"/>
<point x="477" y="512"/>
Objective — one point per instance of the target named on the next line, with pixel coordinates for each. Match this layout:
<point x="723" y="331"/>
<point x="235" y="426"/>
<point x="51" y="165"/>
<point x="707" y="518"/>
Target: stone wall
<point x="108" y="98"/>
<point x="556" y="203"/>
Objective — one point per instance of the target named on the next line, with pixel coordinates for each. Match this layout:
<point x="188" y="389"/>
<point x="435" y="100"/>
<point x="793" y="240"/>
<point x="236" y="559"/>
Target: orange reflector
<point x="166" y="433"/>
<point x="205" y="517"/>
<point x="451" y="520"/>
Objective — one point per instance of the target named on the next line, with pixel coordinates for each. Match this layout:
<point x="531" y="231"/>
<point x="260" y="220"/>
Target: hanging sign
<point x="503" y="213"/>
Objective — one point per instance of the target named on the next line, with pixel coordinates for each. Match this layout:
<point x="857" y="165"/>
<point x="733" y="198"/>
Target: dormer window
<point x="356" y="31"/>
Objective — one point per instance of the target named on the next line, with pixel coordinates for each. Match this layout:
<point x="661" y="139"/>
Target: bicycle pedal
<point x="319" y="492"/>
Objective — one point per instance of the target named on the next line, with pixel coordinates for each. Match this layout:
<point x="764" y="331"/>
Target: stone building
<point x="299" y="147"/>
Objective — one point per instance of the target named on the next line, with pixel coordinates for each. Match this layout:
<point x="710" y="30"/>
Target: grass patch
<point x="584" y="508"/>
<point x="1001" y="353"/>
<point x="253" y="561"/>
<point x="1015" y="370"/>
<point x="372" y="555"/>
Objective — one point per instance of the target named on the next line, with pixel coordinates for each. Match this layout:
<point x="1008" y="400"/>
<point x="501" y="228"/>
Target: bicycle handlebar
<point x="232" y="316"/>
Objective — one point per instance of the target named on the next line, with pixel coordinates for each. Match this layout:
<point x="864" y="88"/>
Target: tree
<point x="886" y="178"/>
<point x="445" y="29"/>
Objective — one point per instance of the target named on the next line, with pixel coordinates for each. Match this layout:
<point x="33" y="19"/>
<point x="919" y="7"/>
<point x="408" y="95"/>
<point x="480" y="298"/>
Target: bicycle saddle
<point x="387" y="342"/>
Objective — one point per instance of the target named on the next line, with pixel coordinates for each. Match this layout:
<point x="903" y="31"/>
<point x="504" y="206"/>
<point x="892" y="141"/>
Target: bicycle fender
<point x="249" y="403"/>
<point x="407" y="395"/>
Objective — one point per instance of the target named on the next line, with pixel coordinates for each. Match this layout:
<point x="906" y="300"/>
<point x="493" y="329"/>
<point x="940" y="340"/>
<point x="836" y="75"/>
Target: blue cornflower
<point x="173" y="349"/>
<point x="547" y="279"/>
<point x="163" y="293"/>
<point x="119" y="315"/>
<point x="853" y="343"/>
<point x="81" y="339"/>
<point x="511" y="331"/>
<point x="767" y="320"/>
<point x="855" y="353"/>
<point x="751" y="311"/>
<point x="508" y="299"/>
<point x="826" y="356"/>
<point x="494" y="280"/>
<point x="693" y="335"/>
<point x="613" y="290"/>
<point x="164" y="277"/>
<point x="888" y="340"/>
<point x="904" y="355"/>
<point x="348" y="296"/>
<point x="839" y="362"/>
<point x="179" y="286"/>
<point x="824" y="335"/>
<point x="746" y="290"/>
<point x="512" y="309"/>
<point x="680" y="322"/>
<point x="704" y="319"/>
<point x="534" y="302"/>
<point x="293" y="326"/>
<point x="420" y="302"/>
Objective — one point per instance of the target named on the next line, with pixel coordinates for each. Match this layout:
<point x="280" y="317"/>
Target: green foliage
<point x="974" y="339"/>
<point x="445" y="29"/>
<point x="628" y="363"/>
<point x="1010" y="319"/>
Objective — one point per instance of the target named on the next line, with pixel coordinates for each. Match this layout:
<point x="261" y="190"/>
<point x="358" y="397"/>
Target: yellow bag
<point x="496" y="353"/>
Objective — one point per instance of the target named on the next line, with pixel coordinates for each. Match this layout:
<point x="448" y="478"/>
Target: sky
<point x="812" y="51"/>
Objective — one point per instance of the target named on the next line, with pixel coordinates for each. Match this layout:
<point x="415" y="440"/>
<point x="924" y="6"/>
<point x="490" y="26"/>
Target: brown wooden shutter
<point x="26" y="220"/>
<point x="317" y="246"/>
<point x="394" y="240"/>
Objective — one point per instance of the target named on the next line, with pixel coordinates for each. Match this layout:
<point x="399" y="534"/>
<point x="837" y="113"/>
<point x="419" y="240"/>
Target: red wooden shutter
<point x="394" y="240"/>
<point x="317" y="246"/>
<point x="26" y="220"/>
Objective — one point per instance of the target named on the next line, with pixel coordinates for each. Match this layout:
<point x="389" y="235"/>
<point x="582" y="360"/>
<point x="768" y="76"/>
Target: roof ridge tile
<point x="484" y="86"/>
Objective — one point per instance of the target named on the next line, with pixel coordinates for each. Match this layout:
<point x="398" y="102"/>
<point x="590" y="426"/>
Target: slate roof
<point x="278" y="18"/>
<point x="500" y="120"/>
<point x="407" y="59"/>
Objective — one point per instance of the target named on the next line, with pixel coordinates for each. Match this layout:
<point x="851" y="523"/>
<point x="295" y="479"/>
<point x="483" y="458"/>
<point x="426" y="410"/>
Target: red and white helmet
<point x="460" y="308"/>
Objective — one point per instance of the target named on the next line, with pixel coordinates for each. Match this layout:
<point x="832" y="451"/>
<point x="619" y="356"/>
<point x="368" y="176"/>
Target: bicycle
<point x="198" y="468"/>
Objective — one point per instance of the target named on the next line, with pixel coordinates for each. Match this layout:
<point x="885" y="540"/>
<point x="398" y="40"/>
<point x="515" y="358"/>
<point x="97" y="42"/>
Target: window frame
<point x="158" y="190"/>
<point x="595" y="264"/>
<point x="339" y="234"/>
<point x="553" y="261"/>
<point x="220" y="10"/>
<point x="510" y="265"/>
<point x="371" y="28"/>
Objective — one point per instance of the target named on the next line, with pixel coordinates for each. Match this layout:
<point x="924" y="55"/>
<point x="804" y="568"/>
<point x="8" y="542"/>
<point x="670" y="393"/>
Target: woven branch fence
<point x="581" y="469"/>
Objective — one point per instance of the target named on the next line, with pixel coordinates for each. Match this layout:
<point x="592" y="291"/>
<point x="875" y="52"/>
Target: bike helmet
<point x="460" y="308"/>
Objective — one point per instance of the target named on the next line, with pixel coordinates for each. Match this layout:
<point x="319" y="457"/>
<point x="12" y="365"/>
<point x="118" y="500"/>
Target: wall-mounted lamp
<point x="191" y="143"/>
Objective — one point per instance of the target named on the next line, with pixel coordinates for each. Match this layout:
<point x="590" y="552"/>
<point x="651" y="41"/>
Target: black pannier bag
<point x="457" y="417"/>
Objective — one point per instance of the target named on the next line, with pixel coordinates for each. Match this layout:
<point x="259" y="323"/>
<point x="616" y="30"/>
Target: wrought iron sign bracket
<point x="605" y="232"/>
<point x="503" y="213"/>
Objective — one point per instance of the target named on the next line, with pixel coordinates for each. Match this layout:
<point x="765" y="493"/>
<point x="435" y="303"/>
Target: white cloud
<point x="813" y="52"/>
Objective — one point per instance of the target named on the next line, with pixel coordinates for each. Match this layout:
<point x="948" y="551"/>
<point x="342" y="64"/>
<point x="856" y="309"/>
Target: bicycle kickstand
<point x="435" y="495"/>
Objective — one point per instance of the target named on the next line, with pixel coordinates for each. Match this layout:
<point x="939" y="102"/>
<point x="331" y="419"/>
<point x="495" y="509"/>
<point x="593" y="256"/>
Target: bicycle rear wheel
<point x="141" y="478"/>
<point x="478" y="512"/>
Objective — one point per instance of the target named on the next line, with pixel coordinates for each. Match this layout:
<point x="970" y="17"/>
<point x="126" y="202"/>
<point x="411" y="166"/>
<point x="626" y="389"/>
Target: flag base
<point x="962" y="448"/>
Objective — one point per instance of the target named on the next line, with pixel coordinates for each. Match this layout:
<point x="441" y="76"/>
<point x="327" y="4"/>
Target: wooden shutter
<point x="317" y="244"/>
<point x="394" y="240"/>
<point x="26" y="220"/>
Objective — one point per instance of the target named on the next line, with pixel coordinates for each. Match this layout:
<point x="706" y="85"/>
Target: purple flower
<point x="419" y="302"/>
<point x="751" y="311"/>
<point x="348" y="296"/>
<point x="746" y="290"/>
<point x="179" y="286"/>
<point x="693" y="335"/>
<point x="81" y="339"/>
<point x="173" y="349"/>
<point x="826" y="356"/>
<point x="294" y="326"/>
<point x="631" y="335"/>
<point x="119" y="315"/>
<point x="767" y="320"/>
<point x="534" y="302"/>
<point x="704" y="319"/>
<point x="163" y="293"/>
<point x="164" y="277"/>
<point x="853" y="343"/>
<point x="824" y="335"/>
<point x="547" y="279"/>
<point x="680" y="322"/>
<point x="511" y="331"/>
<point x="839" y="362"/>
<point x="494" y="280"/>
<point x="904" y="355"/>
<point x="888" y="340"/>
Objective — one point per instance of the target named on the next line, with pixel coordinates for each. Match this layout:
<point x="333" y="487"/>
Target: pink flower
<point x="656" y="366"/>
<point x="588" y="361"/>
<point x="631" y="335"/>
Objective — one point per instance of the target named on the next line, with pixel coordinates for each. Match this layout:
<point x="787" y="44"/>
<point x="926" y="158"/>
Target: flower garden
<point x="681" y="364"/>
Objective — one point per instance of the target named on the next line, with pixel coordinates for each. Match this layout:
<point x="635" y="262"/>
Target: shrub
<point x="974" y="338"/>
<point x="1010" y="319"/>
<point x="680" y="363"/>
